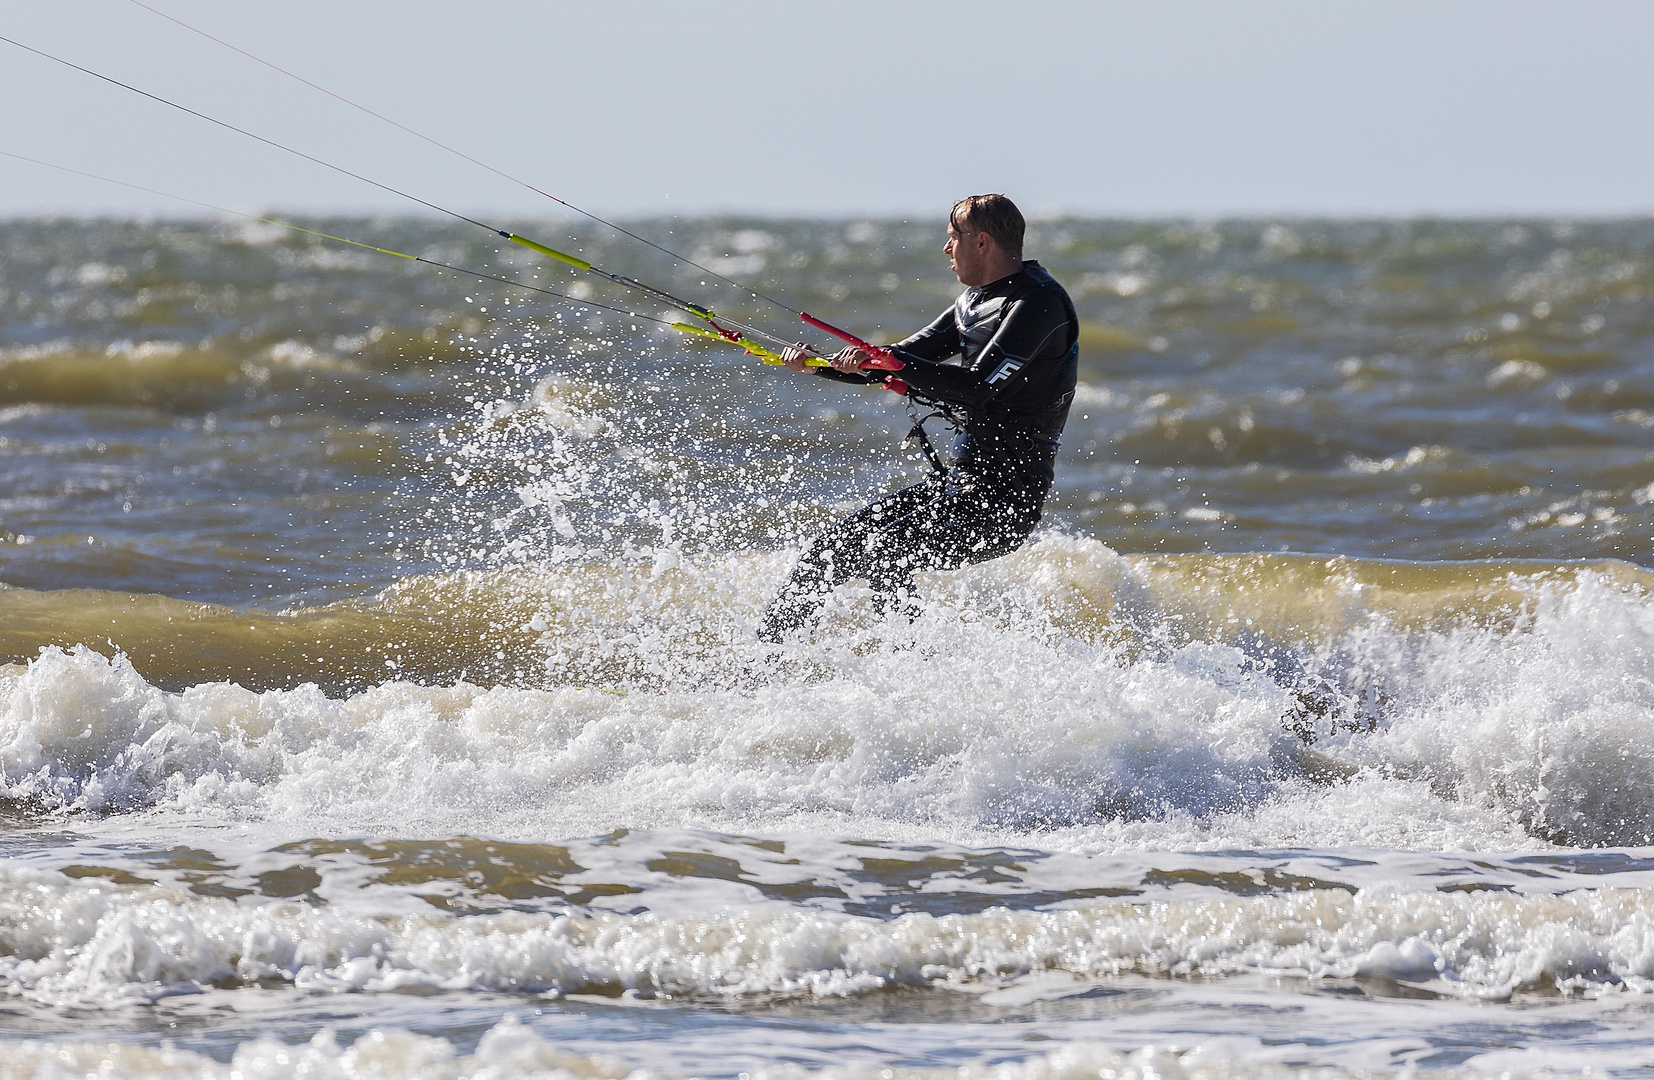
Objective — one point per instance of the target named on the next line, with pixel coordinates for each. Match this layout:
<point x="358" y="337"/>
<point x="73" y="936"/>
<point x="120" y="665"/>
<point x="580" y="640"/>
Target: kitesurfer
<point x="1015" y="336"/>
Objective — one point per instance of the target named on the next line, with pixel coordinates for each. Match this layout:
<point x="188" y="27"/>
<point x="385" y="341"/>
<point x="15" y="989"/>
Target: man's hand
<point x="850" y="360"/>
<point x="794" y="356"/>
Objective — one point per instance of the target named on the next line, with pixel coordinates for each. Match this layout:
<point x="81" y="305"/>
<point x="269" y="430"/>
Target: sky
<point x="1184" y="108"/>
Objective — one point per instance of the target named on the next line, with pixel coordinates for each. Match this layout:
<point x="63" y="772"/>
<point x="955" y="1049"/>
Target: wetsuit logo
<point x="1004" y="371"/>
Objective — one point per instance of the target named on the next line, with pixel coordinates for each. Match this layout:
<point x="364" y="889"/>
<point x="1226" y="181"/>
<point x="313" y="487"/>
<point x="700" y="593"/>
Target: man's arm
<point x="1035" y="328"/>
<point x="937" y="341"/>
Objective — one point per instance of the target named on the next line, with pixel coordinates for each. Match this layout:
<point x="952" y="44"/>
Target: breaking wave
<point x="1190" y="700"/>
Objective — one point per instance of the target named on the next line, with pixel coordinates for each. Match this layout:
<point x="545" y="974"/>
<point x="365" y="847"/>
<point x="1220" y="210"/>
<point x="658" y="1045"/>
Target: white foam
<point x="1548" y="722"/>
<point x="510" y="1049"/>
<point x="997" y="717"/>
<point x="92" y="943"/>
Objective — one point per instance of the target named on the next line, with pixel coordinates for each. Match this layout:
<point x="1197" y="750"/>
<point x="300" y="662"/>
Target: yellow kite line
<point x="750" y="346"/>
<point x="697" y="310"/>
<point x="459" y="153"/>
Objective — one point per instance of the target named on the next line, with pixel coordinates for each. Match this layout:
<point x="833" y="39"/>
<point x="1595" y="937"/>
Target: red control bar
<point x="883" y="358"/>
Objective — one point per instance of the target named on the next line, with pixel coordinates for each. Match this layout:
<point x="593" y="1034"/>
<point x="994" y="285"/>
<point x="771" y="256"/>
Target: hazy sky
<point x="889" y="107"/>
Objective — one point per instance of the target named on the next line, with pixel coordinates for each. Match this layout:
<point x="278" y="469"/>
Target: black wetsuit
<point x="1017" y="343"/>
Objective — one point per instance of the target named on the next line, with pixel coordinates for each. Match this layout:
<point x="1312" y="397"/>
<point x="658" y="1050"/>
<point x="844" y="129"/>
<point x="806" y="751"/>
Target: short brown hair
<point x="993" y="214"/>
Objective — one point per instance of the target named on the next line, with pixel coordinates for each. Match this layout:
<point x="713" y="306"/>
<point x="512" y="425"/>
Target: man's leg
<point x="846" y="550"/>
<point x="943" y="523"/>
<point x="971" y="522"/>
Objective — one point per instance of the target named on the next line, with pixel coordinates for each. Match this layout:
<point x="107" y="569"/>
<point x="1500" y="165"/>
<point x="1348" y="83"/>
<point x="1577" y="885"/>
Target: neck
<point x="1001" y="265"/>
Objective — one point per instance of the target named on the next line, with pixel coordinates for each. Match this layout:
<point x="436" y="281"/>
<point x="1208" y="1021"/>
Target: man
<point x="1015" y="332"/>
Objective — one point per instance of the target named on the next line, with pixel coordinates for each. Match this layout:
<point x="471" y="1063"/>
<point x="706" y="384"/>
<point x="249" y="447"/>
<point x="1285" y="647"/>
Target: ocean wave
<point x="648" y="618"/>
<point x="159" y="374"/>
<point x="216" y="372"/>
<point x="79" y="943"/>
<point x="1252" y="700"/>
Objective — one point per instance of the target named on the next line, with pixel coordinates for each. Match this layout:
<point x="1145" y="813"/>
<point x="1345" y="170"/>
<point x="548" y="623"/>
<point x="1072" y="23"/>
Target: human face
<point x="967" y="253"/>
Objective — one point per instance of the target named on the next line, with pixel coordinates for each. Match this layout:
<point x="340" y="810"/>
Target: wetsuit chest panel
<point x="977" y="319"/>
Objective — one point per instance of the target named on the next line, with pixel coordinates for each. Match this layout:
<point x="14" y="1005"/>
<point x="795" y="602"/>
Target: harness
<point x="917" y="432"/>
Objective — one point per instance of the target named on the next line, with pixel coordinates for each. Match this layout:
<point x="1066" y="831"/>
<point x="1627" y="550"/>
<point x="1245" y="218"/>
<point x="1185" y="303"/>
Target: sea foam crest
<point x="1026" y="744"/>
<point x="1550" y="720"/>
<point x="84" y="943"/>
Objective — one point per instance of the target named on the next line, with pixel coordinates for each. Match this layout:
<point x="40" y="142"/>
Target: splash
<point x="1063" y="690"/>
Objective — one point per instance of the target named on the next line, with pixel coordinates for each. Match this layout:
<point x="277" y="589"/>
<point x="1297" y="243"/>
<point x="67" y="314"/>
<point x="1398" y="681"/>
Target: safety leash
<point x="918" y="434"/>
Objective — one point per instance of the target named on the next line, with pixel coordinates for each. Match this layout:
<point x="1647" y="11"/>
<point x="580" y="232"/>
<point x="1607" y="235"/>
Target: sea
<point x="379" y="693"/>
